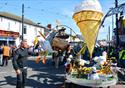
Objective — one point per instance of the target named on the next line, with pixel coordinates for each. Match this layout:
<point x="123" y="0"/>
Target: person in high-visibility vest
<point x="122" y="58"/>
<point x="111" y="52"/>
<point x="121" y="64"/>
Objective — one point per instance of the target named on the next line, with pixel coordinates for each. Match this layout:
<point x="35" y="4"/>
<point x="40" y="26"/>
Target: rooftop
<point x="18" y="18"/>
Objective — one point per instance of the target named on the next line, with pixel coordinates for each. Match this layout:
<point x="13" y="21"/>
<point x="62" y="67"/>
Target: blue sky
<point x="48" y="11"/>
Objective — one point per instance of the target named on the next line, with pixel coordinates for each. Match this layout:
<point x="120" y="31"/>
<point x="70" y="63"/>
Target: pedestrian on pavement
<point x="6" y="54"/>
<point x="19" y="63"/>
<point x="1" y="55"/>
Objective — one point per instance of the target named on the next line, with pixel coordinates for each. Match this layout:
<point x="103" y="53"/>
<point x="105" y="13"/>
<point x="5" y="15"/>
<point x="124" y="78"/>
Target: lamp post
<point x="109" y="35"/>
<point x="117" y="35"/>
<point x="22" y="21"/>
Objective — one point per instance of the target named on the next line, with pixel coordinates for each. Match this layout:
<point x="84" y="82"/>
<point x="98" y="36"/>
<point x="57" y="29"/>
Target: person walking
<point x="6" y="55"/>
<point x="20" y="63"/>
<point x="1" y="55"/>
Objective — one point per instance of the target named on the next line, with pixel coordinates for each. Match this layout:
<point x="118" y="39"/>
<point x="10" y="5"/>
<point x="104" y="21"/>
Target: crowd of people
<point x="6" y="52"/>
<point x="117" y="55"/>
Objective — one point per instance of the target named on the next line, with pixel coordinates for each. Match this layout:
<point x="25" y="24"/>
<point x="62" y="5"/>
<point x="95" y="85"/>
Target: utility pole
<point x="109" y="35"/>
<point x="112" y="24"/>
<point x="22" y="21"/>
<point x="117" y="35"/>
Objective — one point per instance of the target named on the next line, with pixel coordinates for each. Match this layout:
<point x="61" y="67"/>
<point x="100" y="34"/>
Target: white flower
<point x="81" y="62"/>
<point x="68" y="60"/>
<point x="70" y="56"/>
<point x="94" y="69"/>
<point x="100" y="60"/>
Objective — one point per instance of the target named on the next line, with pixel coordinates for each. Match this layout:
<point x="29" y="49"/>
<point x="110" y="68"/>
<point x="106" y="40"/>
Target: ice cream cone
<point x="88" y="20"/>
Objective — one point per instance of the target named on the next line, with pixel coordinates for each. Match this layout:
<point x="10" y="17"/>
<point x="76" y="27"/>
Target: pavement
<point x="39" y="75"/>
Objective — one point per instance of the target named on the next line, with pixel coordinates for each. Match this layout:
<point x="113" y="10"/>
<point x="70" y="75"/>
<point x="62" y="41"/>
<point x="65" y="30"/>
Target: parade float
<point x="54" y="42"/>
<point x="88" y="16"/>
<point x="98" y="75"/>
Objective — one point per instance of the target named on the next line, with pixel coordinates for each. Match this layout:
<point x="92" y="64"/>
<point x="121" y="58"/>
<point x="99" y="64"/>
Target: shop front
<point x="8" y="37"/>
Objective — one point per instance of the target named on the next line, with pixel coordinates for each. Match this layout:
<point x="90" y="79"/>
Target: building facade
<point x="11" y="29"/>
<point x="121" y="31"/>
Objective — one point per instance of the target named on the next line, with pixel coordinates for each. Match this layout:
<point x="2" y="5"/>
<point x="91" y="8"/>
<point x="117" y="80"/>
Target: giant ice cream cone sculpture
<point x="88" y="17"/>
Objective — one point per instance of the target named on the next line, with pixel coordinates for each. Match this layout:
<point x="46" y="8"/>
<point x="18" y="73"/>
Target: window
<point x="8" y="25"/>
<point x="25" y="30"/>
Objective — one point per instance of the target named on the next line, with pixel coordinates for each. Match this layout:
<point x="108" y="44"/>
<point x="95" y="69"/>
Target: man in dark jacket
<point x="19" y="63"/>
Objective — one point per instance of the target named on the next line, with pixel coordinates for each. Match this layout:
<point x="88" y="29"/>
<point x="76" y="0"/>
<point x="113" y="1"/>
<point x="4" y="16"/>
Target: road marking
<point x="13" y="71"/>
<point x="3" y="72"/>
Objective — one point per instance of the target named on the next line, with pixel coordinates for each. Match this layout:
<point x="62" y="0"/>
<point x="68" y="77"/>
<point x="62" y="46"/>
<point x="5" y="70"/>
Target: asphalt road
<point x="39" y="75"/>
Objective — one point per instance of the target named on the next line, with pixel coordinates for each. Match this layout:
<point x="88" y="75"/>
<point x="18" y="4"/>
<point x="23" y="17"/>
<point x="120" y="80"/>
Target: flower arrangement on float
<point x="99" y="74"/>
